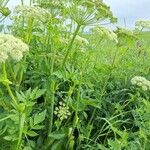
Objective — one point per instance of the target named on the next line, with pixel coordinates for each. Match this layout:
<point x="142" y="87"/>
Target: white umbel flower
<point x="141" y="82"/>
<point x="3" y="56"/>
<point x="104" y="32"/>
<point x="11" y="46"/>
<point x="143" y="24"/>
<point x="33" y="12"/>
<point x="16" y="54"/>
<point x="124" y="32"/>
<point x="81" y="40"/>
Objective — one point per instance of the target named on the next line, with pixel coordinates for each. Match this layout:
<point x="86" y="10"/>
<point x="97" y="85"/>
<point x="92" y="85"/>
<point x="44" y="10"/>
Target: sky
<point x="130" y="10"/>
<point x="127" y="11"/>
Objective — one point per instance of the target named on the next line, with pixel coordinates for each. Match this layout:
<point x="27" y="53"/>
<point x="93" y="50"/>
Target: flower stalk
<point x="70" y="45"/>
<point x="7" y="85"/>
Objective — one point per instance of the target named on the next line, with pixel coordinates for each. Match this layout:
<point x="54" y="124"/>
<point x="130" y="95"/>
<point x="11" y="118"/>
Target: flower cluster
<point x="141" y="82"/>
<point x="11" y="46"/>
<point x="63" y="40"/>
<point x="124" y="32"/>
<point x="33" y="12"/>
<point x="143" y="24"/>
<point x="90" y="12"/>
<point x="62" y="111"/>
<point x="80" y="40"/>
<point x="104" y="32"/>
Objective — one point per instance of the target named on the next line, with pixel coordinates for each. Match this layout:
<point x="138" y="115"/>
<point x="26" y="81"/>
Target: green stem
<point x="30" y="3"/>
<point x="97" y="54"/>
<point x="4" y="118"/>
<point x="70" y="45"/>
<point x="29" y="29"/>
<point x="2" y="19"/>
<point x="4" y="71"/>
<point x="28" y="39"/>
<point x="79" y="88"/>
<point x="12" y="72"/>
<point x="22" y="2"/>
<point x="52" y="87"/>
<point x="51" y="107"/>
<point x="76" y="118"/>
<point x="4" y="3"/>
<point x="11" y="94"/>
<point x="7" y="85"/>
<point x="51" y="94"/>
<point x="20" y="77"/>
<point x="21" y="127"/>
<point x="53" y="58"/>
<point x="51" y="97"/>
<point x="78" y="100"/>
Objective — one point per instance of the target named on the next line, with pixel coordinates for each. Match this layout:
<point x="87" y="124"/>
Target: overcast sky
<point x="128" y="10"/>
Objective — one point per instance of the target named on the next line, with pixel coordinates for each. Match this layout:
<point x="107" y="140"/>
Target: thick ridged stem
<point x="7" y="85"/>
<point x="70" y="45"/>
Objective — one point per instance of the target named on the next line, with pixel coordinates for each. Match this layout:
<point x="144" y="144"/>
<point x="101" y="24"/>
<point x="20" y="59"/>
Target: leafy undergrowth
<point x="62" y="88"/>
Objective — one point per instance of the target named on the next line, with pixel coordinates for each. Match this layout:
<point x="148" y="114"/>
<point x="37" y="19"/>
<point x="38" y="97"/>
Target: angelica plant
<point x="10" y="47"/>
<point x="73" y="89"/>
<point x="85" y="14"/>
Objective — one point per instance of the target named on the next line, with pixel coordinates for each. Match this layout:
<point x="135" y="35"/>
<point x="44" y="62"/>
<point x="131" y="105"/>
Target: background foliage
<point x="73" y="88"/>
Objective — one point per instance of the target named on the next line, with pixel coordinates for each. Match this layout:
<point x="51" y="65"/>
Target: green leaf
<point x="8" y="138"/>
<point x="4" y="117"/>
<point x="76" y="106"/>
<point x="91" y="102"/>
<point x="115" y="144"/>
<point x="27" y="148"/>
<point x="101" y="147"/>
<point x="37" y="127"/>
<point x="31" y="122"/>
<point x="38" y="118"/>
<point x="5" y="81"/>
<point x="57" y="135"/>
<point x="36" y="93"/>
<point x="20" y="96"/>
<point x="58" y="74"/>
<point x="57" y="145"/>
<point x="32" y="133"/>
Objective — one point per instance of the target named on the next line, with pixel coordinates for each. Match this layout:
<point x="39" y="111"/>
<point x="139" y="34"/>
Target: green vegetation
<point x="64" y="89"/>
